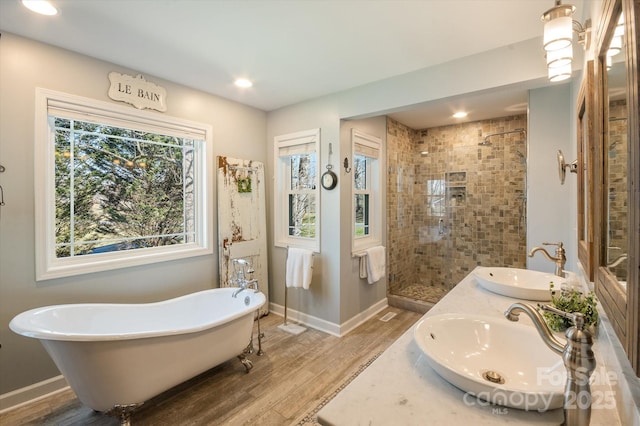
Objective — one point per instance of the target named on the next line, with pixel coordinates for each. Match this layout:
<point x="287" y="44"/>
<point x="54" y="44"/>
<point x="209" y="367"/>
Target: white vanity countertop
<point x="400" y="388"/>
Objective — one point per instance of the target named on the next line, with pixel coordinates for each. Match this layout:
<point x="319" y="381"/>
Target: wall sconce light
<point x="560" y="58"/>
<point x="563" y="166"/>
<point x="558" y="39"/>
<point x="558" y="26"/>
<point x="559" y="73"/>
<point x="615" y="46"/>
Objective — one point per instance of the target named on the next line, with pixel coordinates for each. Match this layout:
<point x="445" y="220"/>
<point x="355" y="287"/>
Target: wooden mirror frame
<point x="621" y="306"/>
<point x="586" y="146"/>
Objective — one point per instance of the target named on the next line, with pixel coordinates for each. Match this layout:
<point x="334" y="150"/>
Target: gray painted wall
<point x="357" y="294"/>
<point x="237" y="130"/>
<point x="552" y="209"/>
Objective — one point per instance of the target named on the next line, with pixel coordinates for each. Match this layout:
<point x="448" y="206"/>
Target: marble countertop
<point x="400" y="388"/>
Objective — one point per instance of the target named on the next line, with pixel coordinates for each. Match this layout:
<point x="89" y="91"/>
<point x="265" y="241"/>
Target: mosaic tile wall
<point x="465" y="206"/>
<point x="617" y="175"/>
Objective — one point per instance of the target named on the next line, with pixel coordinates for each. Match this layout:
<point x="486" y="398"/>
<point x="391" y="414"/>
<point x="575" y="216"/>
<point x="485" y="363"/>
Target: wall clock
<point x="329" y="180"/>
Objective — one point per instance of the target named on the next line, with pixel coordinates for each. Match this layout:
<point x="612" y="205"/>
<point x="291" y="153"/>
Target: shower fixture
<point x="485" y="141"/>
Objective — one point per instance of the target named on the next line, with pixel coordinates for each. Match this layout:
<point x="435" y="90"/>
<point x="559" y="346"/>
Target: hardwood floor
<point x="285" y="386"/>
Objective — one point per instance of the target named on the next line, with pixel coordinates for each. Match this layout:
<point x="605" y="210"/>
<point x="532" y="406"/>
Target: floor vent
<point x="386" y="317"/>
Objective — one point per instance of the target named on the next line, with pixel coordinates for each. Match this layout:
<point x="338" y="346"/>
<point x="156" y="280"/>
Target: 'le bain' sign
<point x="137" y="91"/>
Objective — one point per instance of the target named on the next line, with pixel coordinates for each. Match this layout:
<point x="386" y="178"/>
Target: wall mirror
<point x="586" y="146"/>
<point x="615" y="157"/>
<point x="616" y="171"/>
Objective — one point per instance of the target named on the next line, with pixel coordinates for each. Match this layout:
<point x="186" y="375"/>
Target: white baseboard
<point x="31" y="393"/>
<point x="337" y="330"/>
<point x="357" y="320"/>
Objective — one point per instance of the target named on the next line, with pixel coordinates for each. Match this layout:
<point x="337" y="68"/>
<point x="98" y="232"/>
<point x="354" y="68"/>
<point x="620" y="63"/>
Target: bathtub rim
<point x="20" y="323"/>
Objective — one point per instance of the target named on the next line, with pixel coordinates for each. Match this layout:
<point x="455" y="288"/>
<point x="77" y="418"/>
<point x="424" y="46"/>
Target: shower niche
<point x="456" y="183"/>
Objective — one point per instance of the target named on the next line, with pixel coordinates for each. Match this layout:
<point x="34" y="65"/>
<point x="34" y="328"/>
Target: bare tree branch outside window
<point x="302" y="199"/>
<point x="121" y="189"/>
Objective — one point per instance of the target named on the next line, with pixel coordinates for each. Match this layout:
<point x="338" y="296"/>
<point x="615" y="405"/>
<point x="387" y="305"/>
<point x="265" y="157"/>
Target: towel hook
<point x="2" y="169"/>
<point x="346" y="165"/>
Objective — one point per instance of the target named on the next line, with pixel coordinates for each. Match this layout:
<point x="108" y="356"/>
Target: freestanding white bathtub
<point x="115" y="355"/>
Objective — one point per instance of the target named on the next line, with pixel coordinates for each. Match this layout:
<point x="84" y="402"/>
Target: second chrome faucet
<point x="560" y="258"/>
<point x="577" y="355"/>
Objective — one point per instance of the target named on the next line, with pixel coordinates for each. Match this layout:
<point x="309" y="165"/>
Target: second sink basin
<point x="518" y="283"/>
<point x="498" y="361"/>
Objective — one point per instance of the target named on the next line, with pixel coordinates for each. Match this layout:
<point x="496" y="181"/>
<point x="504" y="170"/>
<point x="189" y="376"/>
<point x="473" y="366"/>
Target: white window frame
<point x="290" y="142"/>
<point x="371" y="147"/>
<point x="48" y="266"/>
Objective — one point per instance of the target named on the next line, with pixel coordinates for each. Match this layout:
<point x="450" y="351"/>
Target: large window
<point x="296" y="190"/>
<point x="120" y="187"/>
<point x="366" y="191"/>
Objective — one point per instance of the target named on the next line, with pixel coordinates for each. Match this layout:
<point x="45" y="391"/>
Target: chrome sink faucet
<point x="560" y="259"/>
<point x="577" y="355"/>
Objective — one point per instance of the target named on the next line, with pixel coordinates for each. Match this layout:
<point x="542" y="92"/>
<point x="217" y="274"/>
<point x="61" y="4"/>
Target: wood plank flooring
<point x="294" y="376"/>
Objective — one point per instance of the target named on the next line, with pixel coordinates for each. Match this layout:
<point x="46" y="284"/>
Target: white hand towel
<point x="376" y="261"/>
<point x="299" y="268"/>
<point x="363" y="266"/>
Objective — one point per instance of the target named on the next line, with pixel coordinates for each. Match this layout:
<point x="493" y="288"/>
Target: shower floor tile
<point x="422" y="292"/>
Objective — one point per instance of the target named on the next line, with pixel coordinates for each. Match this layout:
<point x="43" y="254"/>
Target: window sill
<point x="60" y="268"/>
<point x="359" y="248"/>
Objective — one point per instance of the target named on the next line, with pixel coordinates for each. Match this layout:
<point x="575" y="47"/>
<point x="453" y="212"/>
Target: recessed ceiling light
<point x="460" y="114"/>
<point x="243" y="82"/>
<point x="42" y="7"/>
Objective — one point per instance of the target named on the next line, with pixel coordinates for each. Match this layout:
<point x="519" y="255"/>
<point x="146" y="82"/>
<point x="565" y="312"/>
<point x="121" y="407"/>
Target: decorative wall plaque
<point x="137" y="91"/>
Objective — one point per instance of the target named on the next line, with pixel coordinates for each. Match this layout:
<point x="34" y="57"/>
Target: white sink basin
<point x="518" y="283"/>
<point x="494" y="359"/>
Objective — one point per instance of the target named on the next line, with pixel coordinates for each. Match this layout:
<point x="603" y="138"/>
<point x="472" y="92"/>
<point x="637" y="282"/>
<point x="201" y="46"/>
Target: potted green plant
<point x="572" y="300"/>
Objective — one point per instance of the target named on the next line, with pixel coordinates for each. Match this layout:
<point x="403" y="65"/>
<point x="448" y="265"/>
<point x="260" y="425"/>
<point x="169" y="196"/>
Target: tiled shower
<point x="453" y="204"/>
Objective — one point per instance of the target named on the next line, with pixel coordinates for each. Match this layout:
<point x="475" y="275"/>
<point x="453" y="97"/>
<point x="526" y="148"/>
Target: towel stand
<point x="294" y="329"/>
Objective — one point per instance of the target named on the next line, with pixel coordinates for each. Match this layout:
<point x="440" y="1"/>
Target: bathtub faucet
<point x="577" y="355"/>
<point x="560" y="259"/>
<point x="246" y="284"/>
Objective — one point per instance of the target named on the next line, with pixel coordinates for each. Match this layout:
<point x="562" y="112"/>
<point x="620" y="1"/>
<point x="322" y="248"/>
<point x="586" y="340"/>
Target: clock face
<point x="329" y="180"/>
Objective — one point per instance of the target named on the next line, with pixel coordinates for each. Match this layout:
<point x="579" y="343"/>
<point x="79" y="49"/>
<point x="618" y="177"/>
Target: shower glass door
<point x="454" y="204"/>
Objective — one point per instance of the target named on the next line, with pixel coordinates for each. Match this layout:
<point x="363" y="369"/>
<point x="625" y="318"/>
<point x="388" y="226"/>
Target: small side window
<point x="296" y="190"/>
<point x="367" y="203"/>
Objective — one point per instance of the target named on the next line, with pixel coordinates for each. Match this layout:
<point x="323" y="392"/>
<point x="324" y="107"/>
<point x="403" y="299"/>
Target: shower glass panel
<point x="454" y="203"/>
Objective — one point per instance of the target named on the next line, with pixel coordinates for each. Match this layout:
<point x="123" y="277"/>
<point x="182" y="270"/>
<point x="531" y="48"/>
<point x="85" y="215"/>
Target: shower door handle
<point x="441" y="227"/>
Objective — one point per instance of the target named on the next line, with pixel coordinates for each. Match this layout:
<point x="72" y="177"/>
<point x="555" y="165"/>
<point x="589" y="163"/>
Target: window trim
<point x="48" y="266"/>
<point x="374" y="178"/>
<point x="281" y="209"/>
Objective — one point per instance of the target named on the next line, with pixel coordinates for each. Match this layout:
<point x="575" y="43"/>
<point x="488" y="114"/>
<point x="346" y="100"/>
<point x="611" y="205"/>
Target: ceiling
<point x="292" y="50"/>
